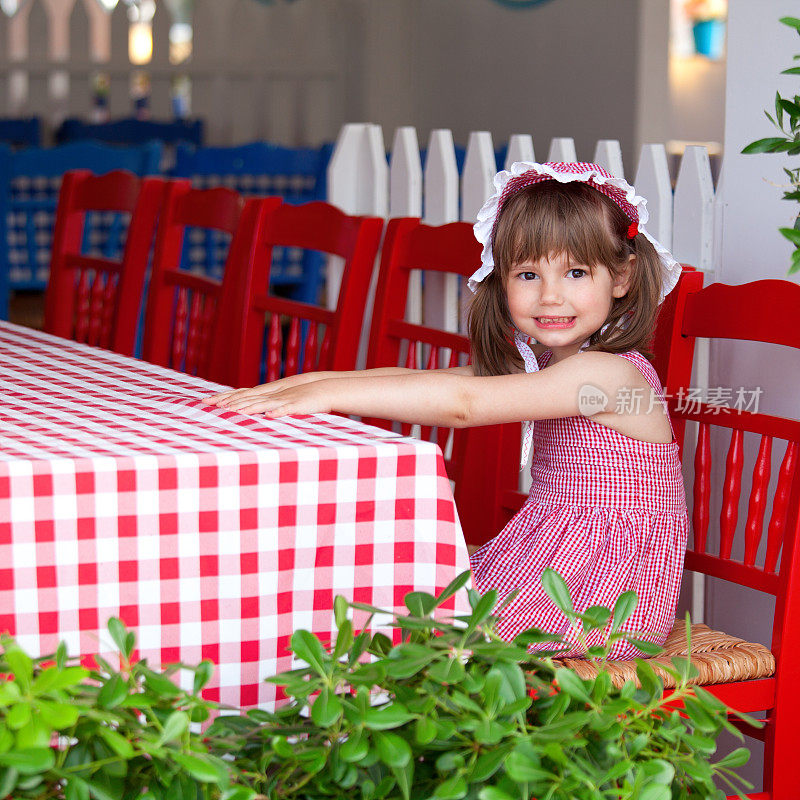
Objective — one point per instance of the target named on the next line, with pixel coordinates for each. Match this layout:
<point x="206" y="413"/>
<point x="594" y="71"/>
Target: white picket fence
<point x="258" y="71"/>
<point x="685" y="219"/>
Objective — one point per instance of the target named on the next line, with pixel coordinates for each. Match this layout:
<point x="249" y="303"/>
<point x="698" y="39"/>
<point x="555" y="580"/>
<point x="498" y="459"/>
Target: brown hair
<point x="549" y="218"/>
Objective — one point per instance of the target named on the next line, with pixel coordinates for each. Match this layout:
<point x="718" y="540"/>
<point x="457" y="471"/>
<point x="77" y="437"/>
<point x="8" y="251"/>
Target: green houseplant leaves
<point x="443" y="710"/>
<point x="787" y="120"/>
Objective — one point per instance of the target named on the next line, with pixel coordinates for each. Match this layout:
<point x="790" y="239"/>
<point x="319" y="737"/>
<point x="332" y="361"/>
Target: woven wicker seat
<point x="718" y="656"/>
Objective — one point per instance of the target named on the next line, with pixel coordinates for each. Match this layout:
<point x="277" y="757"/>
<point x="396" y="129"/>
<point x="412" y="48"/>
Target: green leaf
<point x="176" y="724"/>
<point x="201" y="768"/>
<point x="99" y="792"/>
<point x="239" y="793"/>
<point x="791" y="71"/>
<point x="481" y="608"/>
<point x="54" y="678"/>
<point x="9" y="693"/>
<point x="29" y="761"/>
<point x="655" y="791"/>
<point x="424" y="730"/>
<point x="659" y="771"/>
<point x="595" y="618"/>
<point x="327" y="708"/>
<point x="57" y="715"/>
<point x="340" y="609"/>
<point x="19" y="715"/>
<point x="736" y="758"/>
<point x="203" y="673"/>
<point x="767" y="145"/>
<point x="75" y="789"/>
<point x="792" y="22"/>
<point x="420" y="604"/>
<point x="572" y="685"/>
<point x="521" y="769"/>
<point x="113" y="692"/>
<point x="21" y="665"/>
<point x="118" y="633"/>
<point x="557" y="590"/>
<point x="623" y="608"/>
<point x="118" y="743"/>
<point x="355" y="748"/>
<point x="791" y="234"/>
<point x="344" y="639"/>
<point x="457" y="583"/>
<point x="487" y="764"/>
<point x="404" y="777"/>
<point x="453" y="788"/>
<point x="699" y="716"/>
<point x="493" y="793"/>
<point x="648" y="648"/>
<point x="309" y="648"/>
<point x="387" y="717"/>
<point x="392" y="749"/>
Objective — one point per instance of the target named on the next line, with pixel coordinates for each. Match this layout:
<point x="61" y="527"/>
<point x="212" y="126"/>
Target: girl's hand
<point x="310" y="397"/>
<point x="233" y="396"/>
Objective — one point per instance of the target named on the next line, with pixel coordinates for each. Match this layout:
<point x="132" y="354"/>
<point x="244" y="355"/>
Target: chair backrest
<point x="295" y="174"/>
<point x="303" y="337"/>
<point x="759" y="551"/>
<point x="21" y="131"/>
<point x="94" y="291"/>
<point x="447" y="250"/>
<point x="30" y="196"/>
<point x="493" y="461"/>
<point x="131" y="131"/>
<point x="184" y="309"/>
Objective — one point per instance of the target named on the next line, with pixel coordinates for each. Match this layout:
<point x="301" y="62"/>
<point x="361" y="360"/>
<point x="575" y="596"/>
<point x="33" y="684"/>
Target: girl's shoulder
<point x="615" y="368"/>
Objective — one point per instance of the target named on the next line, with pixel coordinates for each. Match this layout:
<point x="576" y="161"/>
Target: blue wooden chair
<point x="297" y="175"/>
<point x="30" y="180"/>
<point x="131" y="131"/>
<point x="21" y="132"/>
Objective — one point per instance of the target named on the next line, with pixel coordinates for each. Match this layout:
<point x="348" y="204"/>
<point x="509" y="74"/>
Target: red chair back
<point x="193" y="322"/>
<point x="759" y="548"/>
<point x="96" y="299"/>
<point x="284" y="337"/>
<point x="672" y="358"/>
<point x="447" y="250"/>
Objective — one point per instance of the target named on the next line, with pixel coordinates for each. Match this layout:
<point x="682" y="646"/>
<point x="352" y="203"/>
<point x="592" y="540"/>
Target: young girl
<point x="567" y="267"/>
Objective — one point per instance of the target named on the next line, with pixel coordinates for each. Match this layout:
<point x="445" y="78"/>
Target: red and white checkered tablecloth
<point x="211" y="534"/>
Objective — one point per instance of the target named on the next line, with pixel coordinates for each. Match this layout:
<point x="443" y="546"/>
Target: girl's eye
<point x="577" y="273"/>
<point x="527" y="276"/>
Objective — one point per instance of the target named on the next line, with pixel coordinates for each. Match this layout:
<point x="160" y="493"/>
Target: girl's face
<point x="560" y="303"/>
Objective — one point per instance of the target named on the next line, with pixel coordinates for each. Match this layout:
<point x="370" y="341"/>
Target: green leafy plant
<point x="453" y="712"/>
<point x="448" y="712"/>
<point x="787" y="121"/>
<point x="106" y="734"/>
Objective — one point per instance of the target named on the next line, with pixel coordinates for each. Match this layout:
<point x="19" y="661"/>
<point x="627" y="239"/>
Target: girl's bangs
<point x="548" y="218"/>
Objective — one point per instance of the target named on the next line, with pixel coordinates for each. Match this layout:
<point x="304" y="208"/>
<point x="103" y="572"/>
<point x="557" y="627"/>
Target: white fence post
<point x="520" y="148"/>
<point x="479" y="170"/>
<point x="562" y="149"/>
<point x="608" y="154"/>
<point x="405" y="200"/>
<point x="652" y="182"/>
<point x="693" y="217"/>
<point x="440" y="301"/>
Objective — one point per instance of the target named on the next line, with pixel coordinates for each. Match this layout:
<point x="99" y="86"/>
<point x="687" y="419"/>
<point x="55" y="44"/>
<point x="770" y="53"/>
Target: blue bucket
<point x="709" y="38"/>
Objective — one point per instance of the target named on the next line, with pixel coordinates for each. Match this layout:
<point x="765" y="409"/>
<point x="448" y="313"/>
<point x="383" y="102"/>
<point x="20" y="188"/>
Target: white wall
<point x="751" y="249"/>
<point x="565" y="68"/>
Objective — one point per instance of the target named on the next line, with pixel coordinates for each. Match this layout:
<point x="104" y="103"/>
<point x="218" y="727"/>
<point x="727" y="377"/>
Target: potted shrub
<point x="447" y="712"/>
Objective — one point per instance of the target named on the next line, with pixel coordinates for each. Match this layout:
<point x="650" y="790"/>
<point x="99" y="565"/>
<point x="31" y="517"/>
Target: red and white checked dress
<point x="608" y="513"/>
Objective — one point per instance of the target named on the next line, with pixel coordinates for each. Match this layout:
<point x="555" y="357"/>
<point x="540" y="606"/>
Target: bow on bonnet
<point x="525" y="173"/>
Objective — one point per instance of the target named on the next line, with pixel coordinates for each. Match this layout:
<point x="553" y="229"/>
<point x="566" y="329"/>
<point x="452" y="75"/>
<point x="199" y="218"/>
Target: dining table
<point x="210" y="534"/>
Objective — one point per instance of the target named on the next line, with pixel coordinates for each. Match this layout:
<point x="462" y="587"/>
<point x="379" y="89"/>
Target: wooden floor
<point x="27" y="308"/>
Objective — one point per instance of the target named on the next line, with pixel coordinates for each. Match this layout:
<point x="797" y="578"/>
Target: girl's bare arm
<point x="227" y="398"/>
<point x="452" y="398"/>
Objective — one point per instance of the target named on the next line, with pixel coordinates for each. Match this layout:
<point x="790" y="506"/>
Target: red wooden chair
<point x="91" y="296"/>
<point x="283" y="337"/>
<point x="450" y="250"/>
<point x="193" y="322"/>
<point x="755" y="552"/>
